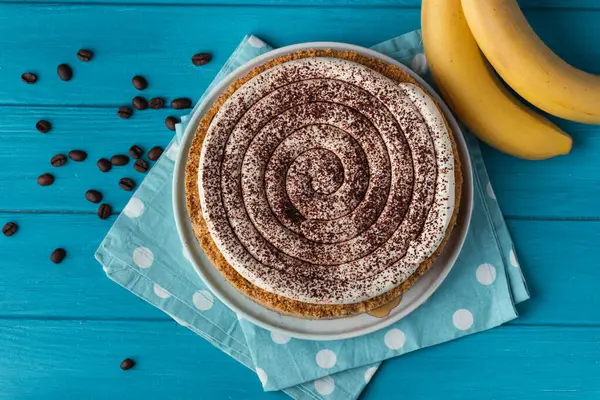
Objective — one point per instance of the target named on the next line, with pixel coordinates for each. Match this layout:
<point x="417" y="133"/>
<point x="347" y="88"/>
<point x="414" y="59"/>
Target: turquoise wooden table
<point x="65" y="328"/>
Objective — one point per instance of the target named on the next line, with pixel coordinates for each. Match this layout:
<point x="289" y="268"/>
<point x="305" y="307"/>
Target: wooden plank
<point x="53" y="359"/>
<point x="81" y="358"/>
<point x="557" y="257"/>
<point x="524" y="189"/>
<point x="505" y="363"/>
<point x="560" y="262"/>
<point x="33" y="286"/>
<point x="158" y="41"/>
<point x="98" y="131"/>
<point x="572" y="4"/>
<point x="564" y="187"/>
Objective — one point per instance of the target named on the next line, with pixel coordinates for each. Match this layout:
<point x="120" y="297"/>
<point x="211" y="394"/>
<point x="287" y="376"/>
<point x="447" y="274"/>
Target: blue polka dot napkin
<point x="478" y="294"/>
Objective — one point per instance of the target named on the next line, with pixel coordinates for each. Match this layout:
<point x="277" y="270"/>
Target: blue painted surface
<point x="65" y="328"/>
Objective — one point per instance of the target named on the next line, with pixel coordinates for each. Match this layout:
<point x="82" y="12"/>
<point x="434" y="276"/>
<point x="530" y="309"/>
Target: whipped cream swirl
<point x="323" y="181"/>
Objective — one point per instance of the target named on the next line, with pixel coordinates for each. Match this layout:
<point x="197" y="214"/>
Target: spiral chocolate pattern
<point x="326" y="182"/>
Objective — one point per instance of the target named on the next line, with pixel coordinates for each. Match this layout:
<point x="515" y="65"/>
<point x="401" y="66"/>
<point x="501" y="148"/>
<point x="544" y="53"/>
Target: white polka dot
<point x="369" y="374"/>
<point x="262" y="375"/>
<point x="279" y="338"/>
<point x="134" y="208"/>
<point x="513" y="259"/>
<point x="160" y="292"/>
<point x="490" y="191"/>
<point x="172" y="152"/>
<point x="143" y="257"/>
<point x="325" y="385"/>
<point x="255" y="42"/>
<point x="186" y="253"/>
<point x="106" y="269"/>
<point x="462" y="319"/>
<point x="203" y="300"/>
<point x="419" y="64"/>
<point x="486" y="274"/>
<point x="326" y="358"/>
<point x="394" y="339"/>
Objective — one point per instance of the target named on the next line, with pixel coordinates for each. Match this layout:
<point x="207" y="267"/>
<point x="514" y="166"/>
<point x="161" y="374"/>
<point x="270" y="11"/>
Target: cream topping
<point x="323" y="181"/>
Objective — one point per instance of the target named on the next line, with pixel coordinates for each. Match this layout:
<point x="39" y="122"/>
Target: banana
<point x="476" y="94"/>
<point x="528" y="65"/>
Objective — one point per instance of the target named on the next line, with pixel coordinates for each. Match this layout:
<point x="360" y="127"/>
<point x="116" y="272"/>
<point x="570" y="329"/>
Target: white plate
<point x="317" y="329"/>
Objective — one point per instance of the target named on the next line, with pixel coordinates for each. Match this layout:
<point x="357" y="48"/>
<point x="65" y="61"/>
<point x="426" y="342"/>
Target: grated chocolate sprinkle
<point x="326" y="182"/>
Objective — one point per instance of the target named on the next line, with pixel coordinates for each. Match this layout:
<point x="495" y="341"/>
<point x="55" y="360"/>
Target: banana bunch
<point x="457" y="32"/>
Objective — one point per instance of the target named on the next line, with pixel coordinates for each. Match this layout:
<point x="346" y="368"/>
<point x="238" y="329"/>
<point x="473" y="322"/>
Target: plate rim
<point x="183" y="223"/>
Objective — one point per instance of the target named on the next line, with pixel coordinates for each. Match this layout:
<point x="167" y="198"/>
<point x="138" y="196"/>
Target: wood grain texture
<point x="559" y="261"/>
<point x="555" y="257"/>
<point x="508" y="363"/>
<point x="564" y="187"/>
<point x="65" y="328"/>
<point x="98" y="131"/>
<point x="49" y="358"/>
<point x="525" y="189"/>
<point x="125" y="45"/>
<point x="572" y="4"/>
<point x="32" y="286"/>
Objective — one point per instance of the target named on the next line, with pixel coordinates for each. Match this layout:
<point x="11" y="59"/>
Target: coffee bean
<point x="126" y="184"/>
<point x="170" y="122"/>
<point x="10" y="228"/>
<point x="77" y="155"/>
<point x="127" y="363"/>
<point x="135" y="152"/>
<point x="139" y="103"/>
<point x="64" y="72"/>
<point x="93" y="196"/>
<point x="181" y="103"/>
<point x="43" y="126"/>
<point x="85" y="55"/>
<point x="104" y="165"/>
<point x="58" y="255"/>
<point x="124" y="112"/>
<point x="119" y="160"/>
<point x="140" y="166"/>
<point x="139" y="82"/>
<point x="45" y="179"/>
<point x="201" y="59"/>
<point x="104" y="211"/>
<point x="154" y="153"/>
<point x="156" y="103"/>
<point x="58" y="160"/>
<point x="29" y="78"/>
